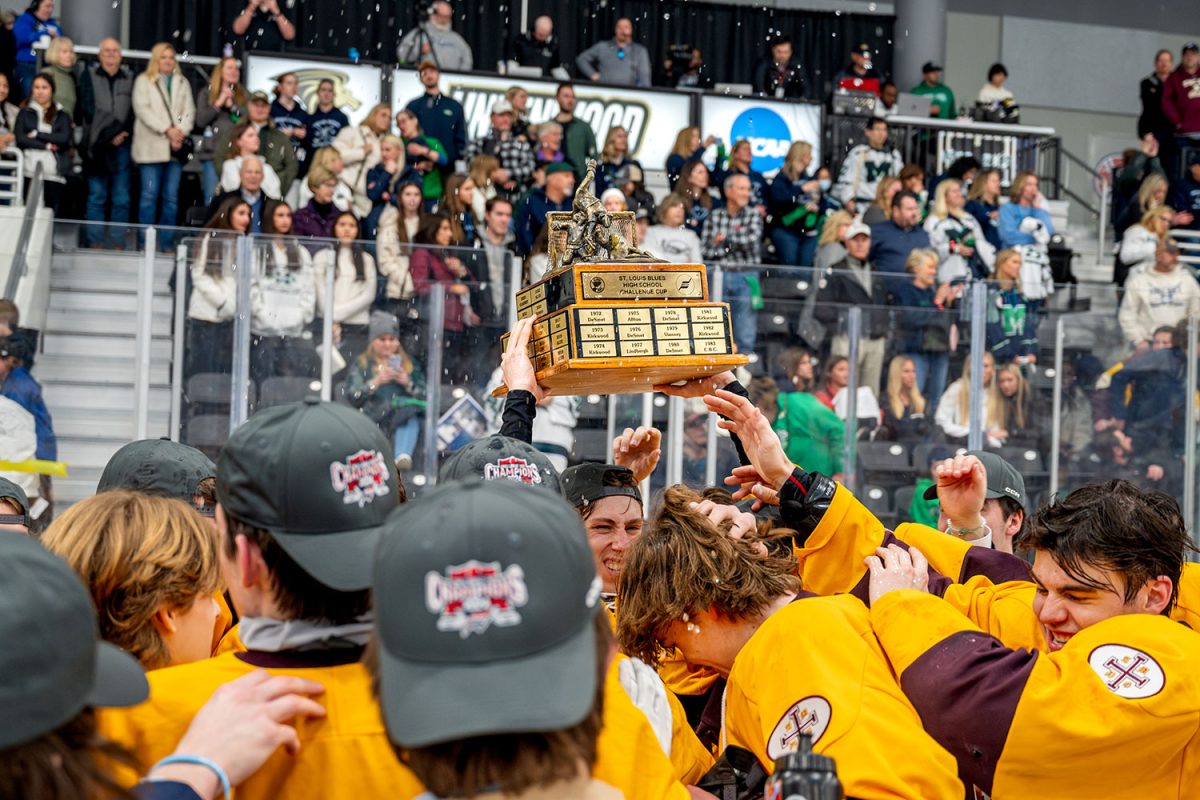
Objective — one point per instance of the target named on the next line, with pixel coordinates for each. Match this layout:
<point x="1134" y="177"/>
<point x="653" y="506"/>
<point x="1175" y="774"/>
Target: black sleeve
<point x="803" y="501"/>
<point x="737" y="388"/>
<point x="61" y="134"/>
<point x="517" y="420"/>
<point x="26" y="126"/>
<point x="164" y="790"/>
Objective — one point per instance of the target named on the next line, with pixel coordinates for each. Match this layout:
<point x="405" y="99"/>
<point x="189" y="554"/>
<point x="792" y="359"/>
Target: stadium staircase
<point x="86" y="366"/>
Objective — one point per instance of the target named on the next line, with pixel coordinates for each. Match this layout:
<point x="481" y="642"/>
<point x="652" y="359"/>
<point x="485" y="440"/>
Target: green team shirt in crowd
<point x="941" y="96"/>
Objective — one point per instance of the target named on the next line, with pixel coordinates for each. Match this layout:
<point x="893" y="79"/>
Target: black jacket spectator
<point x="769" y="77"/>
<point x="442" y="118"/>
<point x="105" y="110"/>
<point x="28" y="137"/>
<point x="841" y="291"/>
<point x="529" y="52"/>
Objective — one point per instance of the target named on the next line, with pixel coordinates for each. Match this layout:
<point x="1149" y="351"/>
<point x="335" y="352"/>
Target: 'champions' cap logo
<point x="472" y="597"/>
<point x="514" y="469"/>
<point x="362" y="478"/>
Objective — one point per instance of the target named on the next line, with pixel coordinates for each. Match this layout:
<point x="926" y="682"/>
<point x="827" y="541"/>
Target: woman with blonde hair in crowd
<point x="163" y="114"/>
<point x="693" y="185"/>
<point x="614" y="157"/>
<point x="954" y="408"/>
<point x="688" y="147"/>
<point x="328" y="161"/>
<point x="219" y="106"/>
<point x="519" y="98"/>
<point x="1135" y="253"/>
<point x="359" y="147"/>
<point x="924" y="320"/>
<point x="830" y="249"/>
<point x="1011" y="318"/>
<point x="1153" y="192"/>
<point x="983" y="203"/>
<point x="880" y="209"/>
<point x="60" y="64"/>
<point x="964" y="253"/>
<point x="903" y="403"/>
<point x="150" y="565"/>
<point x="795" y="205"/>
<point x="480" y="172"/>
<point x="1015" y="413"/>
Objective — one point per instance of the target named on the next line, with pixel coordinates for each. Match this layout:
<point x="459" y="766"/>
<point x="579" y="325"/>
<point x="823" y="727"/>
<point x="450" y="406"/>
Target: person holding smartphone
<point x="387" y="385"/>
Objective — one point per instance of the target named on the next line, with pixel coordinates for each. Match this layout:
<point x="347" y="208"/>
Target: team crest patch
<point x="513" y="469"/>
<point x="471" y="597"/>
<point x="810" y="715"/>
<point x="1127" y="672"/>
<point x="361" y="478"/>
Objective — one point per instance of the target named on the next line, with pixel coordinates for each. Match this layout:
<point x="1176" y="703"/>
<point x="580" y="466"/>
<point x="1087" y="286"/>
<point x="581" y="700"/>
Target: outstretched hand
<point x="758" y="438"/>
<point x="697" y="387"/>
<point x="639" y="450"/>
<point x="515" y="365"/>
<point x="751" y="484"/>
<point x="962" y="490"/>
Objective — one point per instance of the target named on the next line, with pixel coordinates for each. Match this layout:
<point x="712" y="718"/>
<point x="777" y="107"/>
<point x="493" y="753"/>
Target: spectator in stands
<point x="830" y="249"/>
<point x="8" y="114"/>
<point x="1181" y="99"/>
<point x="1152" y="193"/>
<point x="496" y="238"/>
<point x="387" y="385"/>
<point x="618" y="60"/>
<point x="631" y="180"/>
<point x="924" y="322"/>
<point x="851" y="283"/>
<point x="23" y="389"/>
<point x="244" y="142"/>
<point x="537" y="47"/>
<point x="686" y="73"/>
<point x="1011" y="320"/>
<point x="456" y="207"/>
<point x="440" y="116"/>
<point x="671" y="239"/>
<point x="779" y="75"/>
<point x="892" y="241"/>
<point x="106" y="113"/>
<point x="384" y="179"/>
<point x="426" y="154"/>
<point x="60" y="65"/>
<point x="688" y="147"/>
<point x="880" y="209"/>
<point x="328" y="159"/>
<point x="954" y="408"/>
<point x="835" y="378"/>
<point x="1160" y="296"/>
<point x="1187" y="191"/>
<point x="886" y="103"/>
<point x="273" y="146"/>
<point x="693" y="186"/>
<point x="263" y="27"/>
<point x="860" y="75"/>
<point x="740" y="159"/>
<point x="1152" y="119"/>
<point x="283" y="298"/>
<point x="316" y="219"/>
<point x="479" y="170"/>
<point x="613" y="201"/>
<point x="291" y="119"/>
<point x="903" y="404"/>
<point x="398" y="226"/>
<point x="962" y="169"/>
<point x="212" y="304"/>
<point x="614" y="157"/>
<point x="519" y="99"/>
<point x="994" y="92"/>
<point x="549" y="144"/>
<point x="1017" y="417"/>
<point x="219" y="106"/>
<point x="865" y="165"/>
<point x="554" y="196"/>
<point x="43" y="132"/>
<point x="1025" y="220"/>
<point x="22" y="341"/>
<point x="36" y="26"/>
<point x="353" y="285"/>
<point x="578" y="139"/>
<point x="942" y="105"/>
<point x="809" y="431"/>
<point x="249" y="188"/>
<point x="1075" y="439"/>
<point x="358" y="146"/>
<point x="157" y="605"/>
<point x="324" y="122"/>
<point x="795" y="204"/>
<point x="912" y="178"/>
<point x="164" y="114"/>
<point x="1140" y="242"/>
<point x="432" y="264"/>
<point x="983" y="203"/>
<point x="437" y="42"/>
<point x="963" y="252"/>
<point x="732" y="238"/>
<point x="515" y="170"/>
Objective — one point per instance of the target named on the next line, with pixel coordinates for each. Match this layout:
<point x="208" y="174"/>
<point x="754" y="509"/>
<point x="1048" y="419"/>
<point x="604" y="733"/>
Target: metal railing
<point x="20" y="263"/>
<point x="12" y="176"/>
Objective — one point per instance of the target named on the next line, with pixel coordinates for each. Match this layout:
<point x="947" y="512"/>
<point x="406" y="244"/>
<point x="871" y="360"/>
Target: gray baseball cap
<point x="157" y="466"/>
<point x="53" y="664"/>
<point x="1003" y="480"/>
<point x="11" y="491"/>
<point x="485" y="603"/>
<point x="499" y="457"/>
<point x="318" y="478"/>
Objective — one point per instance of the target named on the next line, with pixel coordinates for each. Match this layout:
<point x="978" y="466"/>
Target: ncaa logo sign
<point x="769" y="137"/>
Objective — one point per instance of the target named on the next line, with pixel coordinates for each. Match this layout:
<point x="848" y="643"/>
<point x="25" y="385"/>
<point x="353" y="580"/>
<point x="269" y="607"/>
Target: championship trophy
<point x="611" y="318"/>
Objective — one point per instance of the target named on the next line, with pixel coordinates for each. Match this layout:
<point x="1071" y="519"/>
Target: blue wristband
<point x="204" y="762"/>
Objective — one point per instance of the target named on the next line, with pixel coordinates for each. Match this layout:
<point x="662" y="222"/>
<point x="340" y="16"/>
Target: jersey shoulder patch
<point x="810" y="715"/>
<point x="1127" y="672"/>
